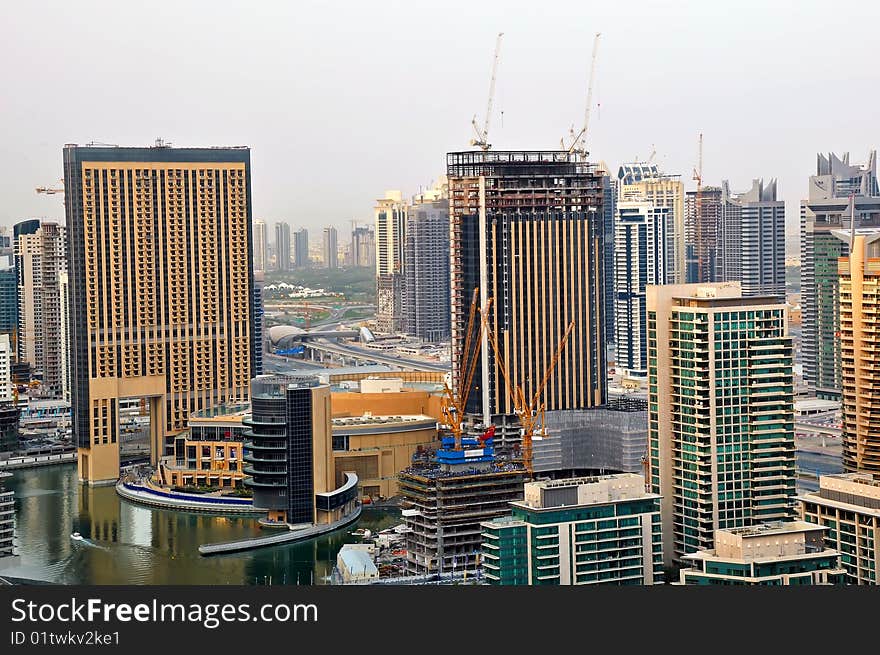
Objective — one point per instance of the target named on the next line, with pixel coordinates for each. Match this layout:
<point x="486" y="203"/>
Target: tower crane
<point x="528" y="409"/>
<point x="698" y="206"/>
<point x="50" y="190"/>
<point x="453" y="404"/>
<point x="482" y="136"/>
<point x="578" y="144"/>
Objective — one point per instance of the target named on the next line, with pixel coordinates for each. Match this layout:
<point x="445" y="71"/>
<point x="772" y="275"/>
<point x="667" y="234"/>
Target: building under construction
<point x="447" y="494"/>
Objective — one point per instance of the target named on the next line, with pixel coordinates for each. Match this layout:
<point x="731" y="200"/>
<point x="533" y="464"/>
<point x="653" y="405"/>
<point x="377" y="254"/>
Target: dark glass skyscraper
<point x="528" y="229"/>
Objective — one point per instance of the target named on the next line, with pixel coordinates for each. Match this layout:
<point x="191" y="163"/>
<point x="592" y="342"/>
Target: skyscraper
<point x="701" y="234"/>
<point x="859" y="342"/>
<point x="64" y="291"/>
<point x="301" y="248"/>
<point x="827" y="208"/>
<point x="527" y="229"/>
<point x="7" y="356"/>
<point x="644" y="252"/>
<point x="40" y="259"/>
<point x="260" y="249"/>
<point x="161" y="283"/>
<point x="331" y="248"/>
<point x="751" y="240"/>
<point x="390" y="213"/>
<point x="426" y="275"/>
<point x="282" y="247"/>
<point x="8" y="300"/>
<point x="644" y="181"/>
<point x="720" y="412"/>
<point x="363" y="247"/>
<point x="610" y="187"/>
<point x="259" y="317"/>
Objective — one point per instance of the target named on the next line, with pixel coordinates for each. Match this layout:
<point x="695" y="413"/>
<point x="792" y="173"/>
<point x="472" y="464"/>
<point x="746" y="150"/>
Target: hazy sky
<point x="342" y="100"/>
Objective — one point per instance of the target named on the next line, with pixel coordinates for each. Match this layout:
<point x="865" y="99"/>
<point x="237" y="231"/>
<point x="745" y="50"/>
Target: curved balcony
<point x="249" y="470"/>
<point x="250" y="482"/>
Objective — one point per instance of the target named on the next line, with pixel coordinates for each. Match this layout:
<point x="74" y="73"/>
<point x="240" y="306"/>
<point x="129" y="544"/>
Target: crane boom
<point x="698" y="208"/>
<point x="482" y="139"/>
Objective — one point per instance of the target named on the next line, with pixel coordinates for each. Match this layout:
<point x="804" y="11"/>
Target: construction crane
<point x="529" y="411"/>
<point x="453" y="404"/>
<point x="482" y="136"/>
<point x="578" y="145"/>
<point x="50" y="190"/>
<point x="698" y="206"/>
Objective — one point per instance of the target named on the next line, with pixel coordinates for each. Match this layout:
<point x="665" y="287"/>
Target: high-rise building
<point x="8" y="300"/>
<point x="778" y="553"/>
<point x="301" y="248"/>
<point x="702" y="234"/>
<point x="260" y="250"/>
<point x="288" y="452"/>
<point x="7" y="356"/>
<point x="720" y="411"/>
<point x="259" y="316"/>
<point x="827" y="208"/>
<point x="751" y="240"/>
<point x="859" y="339"/>
<point x="849" y="506"/>
<point x="577" y="531"/>
<point x="425" y="297"/>
<point x="609" y="205"/>
<point x="40" y="259"/>
<point x="363" y="247"/>
<point x="643" y="181"/>
<point x="644" y="253"/>
<point x="64" y="291"/>
<point x="282" y="246"/>
<point x="331" y="248"/>
<point x="527" y="229"/>
<point x="390" y="215"/>
<point x="7" y="519"/>
<point x="161" y="288"/>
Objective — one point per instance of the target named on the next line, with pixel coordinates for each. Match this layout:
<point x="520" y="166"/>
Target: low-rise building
<point x="848" y="505"/>
<point x="774" y="553"/>
<point x="355" y="564"/>
<point x="577" y="531"/>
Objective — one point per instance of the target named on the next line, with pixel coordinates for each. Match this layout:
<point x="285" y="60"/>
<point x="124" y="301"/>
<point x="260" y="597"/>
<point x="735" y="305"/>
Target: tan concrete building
<point x="41" y="260"/>
<point x="848" y="505"/>
<point x="859" y="337"/>
<point x="160" y="289"/>
<point x="721" y="449"/>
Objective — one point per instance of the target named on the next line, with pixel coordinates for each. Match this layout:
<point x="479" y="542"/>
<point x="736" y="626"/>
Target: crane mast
<point x="698" y="208"/>
<point x="482" y="136"/>
<point x="578" y="140"/>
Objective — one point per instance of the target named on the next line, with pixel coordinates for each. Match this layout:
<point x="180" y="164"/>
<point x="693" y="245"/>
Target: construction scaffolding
<point x="445" y="500"/>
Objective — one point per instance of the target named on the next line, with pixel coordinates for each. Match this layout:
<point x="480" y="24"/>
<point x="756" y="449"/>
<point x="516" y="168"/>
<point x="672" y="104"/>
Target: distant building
<point x="259" y="317"/>
<point x="40" y="259"/>
<point x="64" y="291"/>
<point x="828" y="208"/>
<point x="260" y="247"/>
<point x="7" y="357"/>
<point x="848" y="505"/>
<point x="9" y="415"/>
<point x="779" y="553"/>
<point x="609" y="208"/>
<point x="644" y="253"/>
<point x="425" y="296"/>
<point x="331" y="248"/>
<point x="390" y="215"/>
<point x="282" y="247"/>
<point x="702" y="226"/>
<point x="720" y="411"/>
<point x="9" y="302"/>
<point x="363" y="247"/>
<point x="580" y="531"/>
<point x="751" y="240"/>
<point x="301" y="248"/>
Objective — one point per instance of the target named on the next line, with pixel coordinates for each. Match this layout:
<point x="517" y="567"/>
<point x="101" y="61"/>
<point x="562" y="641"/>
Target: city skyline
<point x="280" y="40"/>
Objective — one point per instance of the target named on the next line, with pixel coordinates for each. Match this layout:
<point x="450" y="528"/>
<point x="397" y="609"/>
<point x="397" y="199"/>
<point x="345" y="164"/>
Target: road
<point x="376" y="356"/>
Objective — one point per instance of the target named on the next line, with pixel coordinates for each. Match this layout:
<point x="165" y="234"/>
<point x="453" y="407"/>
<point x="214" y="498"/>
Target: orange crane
<point x="454" y="402"/>
<point x="530" y="413"/>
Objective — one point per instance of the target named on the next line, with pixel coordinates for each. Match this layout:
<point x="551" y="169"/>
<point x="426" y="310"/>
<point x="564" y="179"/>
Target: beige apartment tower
<point x="160" y="290"/>
<point x="859" y="336"/>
